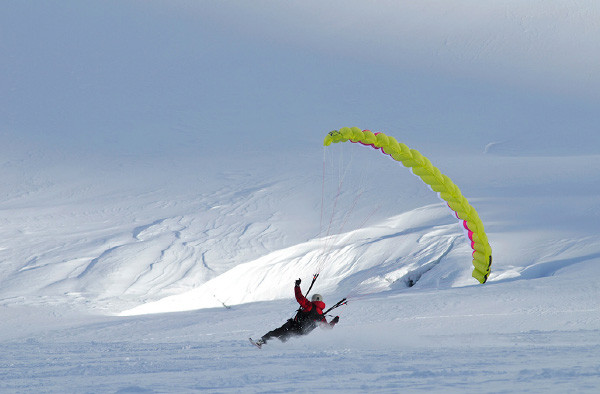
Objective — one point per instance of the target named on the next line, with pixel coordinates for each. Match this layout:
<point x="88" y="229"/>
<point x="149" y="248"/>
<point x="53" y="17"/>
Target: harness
<point x="312" y="315"/>
<point x="306" y="321"/>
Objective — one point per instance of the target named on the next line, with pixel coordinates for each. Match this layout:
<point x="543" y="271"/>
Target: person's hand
<point x="298" y="281"/>
<point x="335" y="320"/>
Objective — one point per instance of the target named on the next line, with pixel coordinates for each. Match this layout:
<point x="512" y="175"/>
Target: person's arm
<point x="303" y="301"/>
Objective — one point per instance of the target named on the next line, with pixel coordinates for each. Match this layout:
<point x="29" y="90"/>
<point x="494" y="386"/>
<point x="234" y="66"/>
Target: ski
<point x="258" y="345"/>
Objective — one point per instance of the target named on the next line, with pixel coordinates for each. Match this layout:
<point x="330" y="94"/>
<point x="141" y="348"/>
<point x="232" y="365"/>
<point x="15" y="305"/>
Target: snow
<point x="164" y="184"/>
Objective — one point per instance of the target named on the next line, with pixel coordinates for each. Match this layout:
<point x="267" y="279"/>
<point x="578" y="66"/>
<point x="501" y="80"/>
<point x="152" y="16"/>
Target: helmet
<point x="316" y="297"/>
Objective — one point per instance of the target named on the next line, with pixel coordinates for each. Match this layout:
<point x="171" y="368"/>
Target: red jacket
<point x="307" y="306"/>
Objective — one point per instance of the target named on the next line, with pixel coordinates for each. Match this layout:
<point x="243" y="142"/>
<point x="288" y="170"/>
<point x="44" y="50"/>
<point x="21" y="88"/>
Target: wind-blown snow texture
<point x="164" y="184"/>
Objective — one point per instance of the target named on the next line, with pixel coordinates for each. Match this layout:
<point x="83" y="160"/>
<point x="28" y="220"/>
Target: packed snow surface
<point x="164" y="184"/>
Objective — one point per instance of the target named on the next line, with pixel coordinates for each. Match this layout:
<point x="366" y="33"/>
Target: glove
<point x="335" y="320"/>
<point x="298" y="281"/>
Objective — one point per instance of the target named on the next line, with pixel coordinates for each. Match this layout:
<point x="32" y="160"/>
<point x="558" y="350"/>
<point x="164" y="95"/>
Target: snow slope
<point x="164" y="184"/>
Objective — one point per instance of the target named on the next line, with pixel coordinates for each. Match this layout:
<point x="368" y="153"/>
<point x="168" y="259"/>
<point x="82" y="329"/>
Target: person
<point x="309" y="316"/>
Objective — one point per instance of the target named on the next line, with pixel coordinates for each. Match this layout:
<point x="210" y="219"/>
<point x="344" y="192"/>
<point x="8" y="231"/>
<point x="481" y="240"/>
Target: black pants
<point x="291" y="328"/>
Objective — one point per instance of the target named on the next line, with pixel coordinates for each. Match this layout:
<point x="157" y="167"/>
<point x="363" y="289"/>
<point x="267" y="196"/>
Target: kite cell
<point x="440" y="183"/>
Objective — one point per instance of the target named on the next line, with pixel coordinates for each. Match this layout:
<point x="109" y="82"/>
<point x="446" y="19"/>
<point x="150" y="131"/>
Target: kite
<point x="440" y="183"/>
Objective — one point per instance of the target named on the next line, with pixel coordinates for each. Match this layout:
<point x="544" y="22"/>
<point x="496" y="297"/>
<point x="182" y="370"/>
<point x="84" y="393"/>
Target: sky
<point x="205" y="77"/>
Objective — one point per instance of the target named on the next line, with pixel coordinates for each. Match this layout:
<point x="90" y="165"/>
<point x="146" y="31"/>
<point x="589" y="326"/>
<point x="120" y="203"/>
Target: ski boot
<point x="258" y="343"/>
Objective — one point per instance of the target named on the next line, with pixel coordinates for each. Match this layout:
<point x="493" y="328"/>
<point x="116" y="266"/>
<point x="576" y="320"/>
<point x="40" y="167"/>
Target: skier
<point x="308" y="317"/>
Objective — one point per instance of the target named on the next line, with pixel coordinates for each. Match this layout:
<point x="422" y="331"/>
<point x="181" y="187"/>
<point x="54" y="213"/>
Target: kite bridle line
<point x="329" y="241"/>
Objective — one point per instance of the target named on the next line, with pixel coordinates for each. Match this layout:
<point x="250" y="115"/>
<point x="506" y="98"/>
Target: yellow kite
<point x="440" y="183"/>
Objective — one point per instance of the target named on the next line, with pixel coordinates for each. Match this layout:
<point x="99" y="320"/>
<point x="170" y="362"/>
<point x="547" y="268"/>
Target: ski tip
<point x="258" y="345"/>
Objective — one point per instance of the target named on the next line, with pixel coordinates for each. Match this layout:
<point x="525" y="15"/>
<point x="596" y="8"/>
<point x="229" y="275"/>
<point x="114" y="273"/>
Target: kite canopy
<point x="440" y="183"/>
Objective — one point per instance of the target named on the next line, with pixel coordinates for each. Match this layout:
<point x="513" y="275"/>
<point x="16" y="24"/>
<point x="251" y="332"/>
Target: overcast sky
<point x="188" y="76"/>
